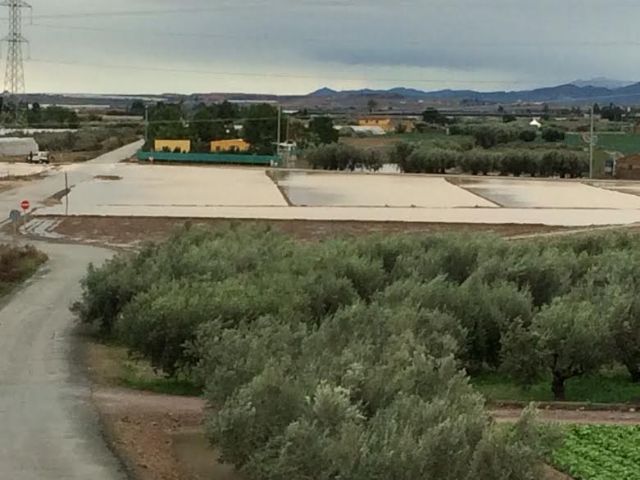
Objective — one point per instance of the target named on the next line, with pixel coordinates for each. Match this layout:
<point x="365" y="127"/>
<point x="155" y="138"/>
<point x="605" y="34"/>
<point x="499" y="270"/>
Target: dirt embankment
<point x="130" y="230"/>
<point x="157" y="437"/>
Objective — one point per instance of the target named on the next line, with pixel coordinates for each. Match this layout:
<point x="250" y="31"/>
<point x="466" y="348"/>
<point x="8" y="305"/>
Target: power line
<point x="270" y="36"/>
<point x="272" y="75"/>
<point x="128" y="13"/>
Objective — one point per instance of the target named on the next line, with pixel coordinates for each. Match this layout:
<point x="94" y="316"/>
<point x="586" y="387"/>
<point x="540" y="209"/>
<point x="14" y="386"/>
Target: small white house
<point x="535" y="123"/>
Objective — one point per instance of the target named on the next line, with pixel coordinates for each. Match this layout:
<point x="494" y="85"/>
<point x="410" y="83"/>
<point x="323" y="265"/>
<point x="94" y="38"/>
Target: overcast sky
<point x="296" y="46"/>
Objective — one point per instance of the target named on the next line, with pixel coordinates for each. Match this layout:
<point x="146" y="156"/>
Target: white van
<point x="38" y="157"/>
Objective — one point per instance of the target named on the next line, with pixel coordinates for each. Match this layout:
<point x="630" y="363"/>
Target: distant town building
<point x="388" y="124"/>
<point x="233" y="145"/>
<point x="535" y="123"/>
<point x="177" y="146"/>
<point x="384" y="123"/>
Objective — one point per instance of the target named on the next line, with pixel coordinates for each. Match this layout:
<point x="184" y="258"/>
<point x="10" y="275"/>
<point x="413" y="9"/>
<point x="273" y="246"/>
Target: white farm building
<point x="17" y="146"/>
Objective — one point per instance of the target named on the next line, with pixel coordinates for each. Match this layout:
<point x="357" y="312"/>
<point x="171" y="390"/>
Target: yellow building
<point x="388" y="124"/>
<point x="385" y="123"/>
<point x="182" y="146"/>
<point x="234" y="145"/>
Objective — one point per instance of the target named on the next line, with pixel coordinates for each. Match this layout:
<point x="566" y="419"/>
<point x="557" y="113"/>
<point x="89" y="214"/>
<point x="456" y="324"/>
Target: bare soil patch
<point x="577" y="416"/>
<point x="141" y="427"/>
<point x="108" y="177"/>
<point x="130" y="230"/>
<point x="7" y="185"/>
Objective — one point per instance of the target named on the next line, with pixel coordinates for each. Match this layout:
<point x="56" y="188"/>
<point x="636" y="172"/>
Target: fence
<point x="210" y="158"/>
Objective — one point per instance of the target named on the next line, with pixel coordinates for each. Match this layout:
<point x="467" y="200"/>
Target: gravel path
<point x="585" y="417"/>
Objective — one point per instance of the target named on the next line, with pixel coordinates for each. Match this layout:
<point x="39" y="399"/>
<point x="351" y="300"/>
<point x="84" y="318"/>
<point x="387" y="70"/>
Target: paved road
<point x="48" y="428"/>
<point x="39" y="190"/>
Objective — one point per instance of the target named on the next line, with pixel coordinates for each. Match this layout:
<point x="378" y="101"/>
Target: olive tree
<point x="567" y="338"/>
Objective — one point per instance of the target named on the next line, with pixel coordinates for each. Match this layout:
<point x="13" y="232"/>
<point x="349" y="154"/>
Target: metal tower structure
<point x="14" y="78"/>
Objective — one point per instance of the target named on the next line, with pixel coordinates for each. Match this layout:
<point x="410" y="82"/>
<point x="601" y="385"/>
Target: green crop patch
<point x="598" y="452"/>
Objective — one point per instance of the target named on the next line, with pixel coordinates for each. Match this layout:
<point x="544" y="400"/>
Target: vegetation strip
<point x="598" y="452"/>
<point x="17" y="264"/>
<point x="310" y="349"/>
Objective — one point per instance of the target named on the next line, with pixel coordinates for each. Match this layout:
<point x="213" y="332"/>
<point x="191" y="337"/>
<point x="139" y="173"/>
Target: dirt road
<point x="48" y="428"/>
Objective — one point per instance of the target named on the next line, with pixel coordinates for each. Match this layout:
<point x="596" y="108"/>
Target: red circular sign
<point x="25" y="204"/>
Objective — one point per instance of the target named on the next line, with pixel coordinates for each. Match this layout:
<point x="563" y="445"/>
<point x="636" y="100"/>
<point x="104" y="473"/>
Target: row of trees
<point x="343" y="157"/>
<point x="52" y="117"/>
<point x="96" y="139"/>
<point x="35" y="116"/>
<point x="412" y="158"/>
<point x="259" y="123"/>
<point x="500" y="303"/>
<point x="535" y="162"/>
<point x="345" y="358"/>
<point x="489" y="136"/>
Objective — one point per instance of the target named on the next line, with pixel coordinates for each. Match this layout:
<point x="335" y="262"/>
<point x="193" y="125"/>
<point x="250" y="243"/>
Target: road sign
<point x="25" y="205"/>
<point x="14" y="216"/>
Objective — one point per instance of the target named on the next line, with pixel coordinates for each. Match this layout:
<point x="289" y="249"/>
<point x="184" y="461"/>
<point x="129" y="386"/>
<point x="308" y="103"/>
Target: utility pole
<point x="14" y="77"/>
<point x="279" y="130"/>
<point x="591" y="144"/>
<point x="146" y="126"/>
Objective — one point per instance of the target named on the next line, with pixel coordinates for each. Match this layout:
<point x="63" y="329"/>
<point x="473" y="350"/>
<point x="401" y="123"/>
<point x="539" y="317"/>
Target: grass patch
<point x="626" y="144"/>
<point x="17" y="264"/>
<point x="383" y="143"/>
<point x="612" y="386"/>
<point x="138" y="375"/>
<point x="112" y="366"/>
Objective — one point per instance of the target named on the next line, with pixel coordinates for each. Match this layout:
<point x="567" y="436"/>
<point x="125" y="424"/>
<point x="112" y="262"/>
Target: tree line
<point x="345" y="357"/>
<point x="413" y="158"/>
<point x="258" y="126"/>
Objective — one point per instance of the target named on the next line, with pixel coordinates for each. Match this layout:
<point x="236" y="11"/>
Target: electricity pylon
<point x="14" y="77"/>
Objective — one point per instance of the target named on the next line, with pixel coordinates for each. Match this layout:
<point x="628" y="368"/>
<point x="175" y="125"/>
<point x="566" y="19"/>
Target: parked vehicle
<point x="39" y="157"/>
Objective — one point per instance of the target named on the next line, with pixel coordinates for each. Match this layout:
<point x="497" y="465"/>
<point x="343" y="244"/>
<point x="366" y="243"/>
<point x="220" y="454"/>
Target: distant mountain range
<point x="600" y="90"/>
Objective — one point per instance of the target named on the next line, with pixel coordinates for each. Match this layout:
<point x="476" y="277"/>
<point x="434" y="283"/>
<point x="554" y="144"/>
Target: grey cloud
<point x="547" y="41"/>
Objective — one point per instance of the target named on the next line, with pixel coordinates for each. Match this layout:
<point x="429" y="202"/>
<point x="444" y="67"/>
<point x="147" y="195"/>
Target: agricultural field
<point x="598" y="452"/>
<point x="384" y="143"/>
<point x="624" y="143"/>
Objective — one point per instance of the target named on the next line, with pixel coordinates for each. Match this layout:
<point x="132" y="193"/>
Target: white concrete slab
<point x="358" y="190"/>
<point x="520" y="193"/>
<point x="248" y="193"/>
<point x="139" y="186"/>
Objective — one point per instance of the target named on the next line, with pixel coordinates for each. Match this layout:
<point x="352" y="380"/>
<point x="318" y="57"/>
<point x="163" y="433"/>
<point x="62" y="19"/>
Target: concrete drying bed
<point x="348" y="190"/>
<point x="249" y="193"/>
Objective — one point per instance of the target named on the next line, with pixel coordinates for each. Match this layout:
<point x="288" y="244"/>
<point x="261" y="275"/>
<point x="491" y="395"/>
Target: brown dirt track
<point x="129" y="230"/>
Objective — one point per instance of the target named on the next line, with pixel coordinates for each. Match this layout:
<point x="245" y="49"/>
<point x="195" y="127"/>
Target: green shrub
<point x="342" y="157"/>
<point x="551" y="134"/>
<point x="528" y="135"/>
<point x="328" y="358"/>
<point x="16" y="264"/>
